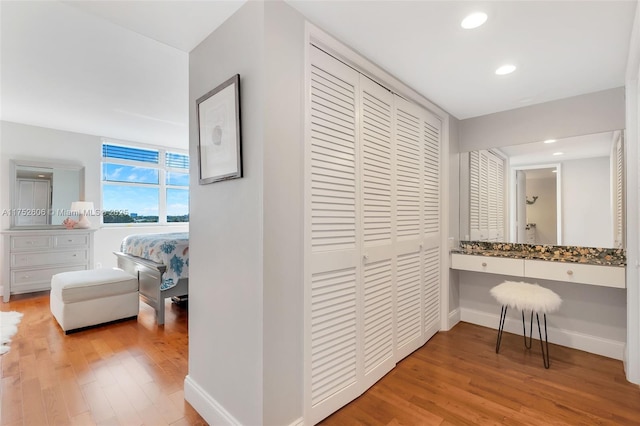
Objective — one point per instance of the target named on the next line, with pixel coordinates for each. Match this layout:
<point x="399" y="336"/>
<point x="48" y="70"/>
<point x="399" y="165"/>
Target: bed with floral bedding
<point x="161" y="263"/>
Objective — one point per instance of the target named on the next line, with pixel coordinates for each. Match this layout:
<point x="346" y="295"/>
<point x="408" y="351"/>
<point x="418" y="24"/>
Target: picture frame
<point x="219" y="136"/>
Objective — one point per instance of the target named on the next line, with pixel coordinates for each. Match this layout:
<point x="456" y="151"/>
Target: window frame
<point x="162" y="185"/>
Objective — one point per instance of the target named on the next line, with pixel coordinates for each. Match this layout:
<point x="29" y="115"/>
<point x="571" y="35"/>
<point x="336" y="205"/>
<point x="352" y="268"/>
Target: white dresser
<point x="32" y="257"/>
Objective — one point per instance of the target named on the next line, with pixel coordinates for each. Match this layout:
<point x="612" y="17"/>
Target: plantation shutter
<point x="409" y="174"/>
<point x="378" y="199"/>
<point x="334" y="260"/>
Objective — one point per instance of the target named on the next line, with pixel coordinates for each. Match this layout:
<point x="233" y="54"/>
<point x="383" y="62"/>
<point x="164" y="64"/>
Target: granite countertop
<point x="569" y="254"/>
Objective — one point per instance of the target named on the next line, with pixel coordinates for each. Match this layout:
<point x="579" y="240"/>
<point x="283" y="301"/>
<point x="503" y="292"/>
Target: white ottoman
<point x="82" y="299"/>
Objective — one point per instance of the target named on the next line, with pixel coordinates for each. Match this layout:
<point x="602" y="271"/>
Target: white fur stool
<point x="82" y="299"/>
<point x="526" y="297"/>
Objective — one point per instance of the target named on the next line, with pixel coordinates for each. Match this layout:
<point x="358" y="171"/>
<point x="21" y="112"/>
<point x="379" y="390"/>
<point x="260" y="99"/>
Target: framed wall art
<point x="219" y="139"/>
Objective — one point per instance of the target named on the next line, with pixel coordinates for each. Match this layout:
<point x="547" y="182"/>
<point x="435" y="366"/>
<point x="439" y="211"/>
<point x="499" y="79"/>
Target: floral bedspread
<point x="170" y="249"/>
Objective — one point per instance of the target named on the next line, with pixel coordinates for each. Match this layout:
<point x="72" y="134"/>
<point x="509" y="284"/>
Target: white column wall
<point x="226" y="279"/>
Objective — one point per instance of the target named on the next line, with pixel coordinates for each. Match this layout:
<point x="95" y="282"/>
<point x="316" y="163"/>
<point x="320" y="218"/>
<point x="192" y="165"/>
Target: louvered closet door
<point x="331" y="221"/>
<point x="378" y="229"/>
<point x="432" y="234"/>
<point x="409" y="123"/>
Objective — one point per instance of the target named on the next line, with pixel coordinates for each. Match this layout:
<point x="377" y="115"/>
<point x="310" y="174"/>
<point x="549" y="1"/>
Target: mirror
<point x="560" y="192"/>
<point x="42" y="192"/>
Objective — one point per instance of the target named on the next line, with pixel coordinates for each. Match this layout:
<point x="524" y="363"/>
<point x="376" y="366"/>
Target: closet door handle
<point x="365" y="257"/>
<point x="569" y="272"/>
<point x="484" y="264"/>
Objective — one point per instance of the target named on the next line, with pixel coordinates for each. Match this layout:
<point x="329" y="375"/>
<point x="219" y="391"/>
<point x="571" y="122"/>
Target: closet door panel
<point x="431" y="291"/>
<point x="333" y="265"/>
<point x="378" y="229"/>
<point x="408" y="138"/>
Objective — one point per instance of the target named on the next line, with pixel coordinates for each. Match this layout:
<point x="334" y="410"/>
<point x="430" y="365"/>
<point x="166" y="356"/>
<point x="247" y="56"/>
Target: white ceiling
<point x="574" y="148"/>
<point x="120" y="68"/>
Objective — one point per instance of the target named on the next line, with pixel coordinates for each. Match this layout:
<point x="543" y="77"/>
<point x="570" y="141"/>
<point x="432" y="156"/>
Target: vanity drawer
<point x="607" y="276"/>
<point x="63" y="241"/>
<point x="48" y="258"/>
<point x="492" y="265"/>
<point x="31" y="242"/>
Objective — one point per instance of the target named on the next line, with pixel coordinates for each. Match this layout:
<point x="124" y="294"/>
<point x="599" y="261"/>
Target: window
<point x="144" y="185"/>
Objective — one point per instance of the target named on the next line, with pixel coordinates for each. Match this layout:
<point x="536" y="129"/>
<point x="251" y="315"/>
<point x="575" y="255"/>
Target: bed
<point x="161" y="263"/>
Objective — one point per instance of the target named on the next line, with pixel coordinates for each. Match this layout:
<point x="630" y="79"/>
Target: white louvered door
<point x="378" y="228"/>
<point x="333" y="266"/>
<point x="432" y="224"/>
<point x="372" y="232"/>
<point x="409" y="176"/>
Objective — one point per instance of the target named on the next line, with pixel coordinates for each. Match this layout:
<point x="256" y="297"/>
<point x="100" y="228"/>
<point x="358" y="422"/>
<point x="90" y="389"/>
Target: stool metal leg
<point x="503" y="315"/>
<point x="524" y="330"/>
<point x="545" y="354"/>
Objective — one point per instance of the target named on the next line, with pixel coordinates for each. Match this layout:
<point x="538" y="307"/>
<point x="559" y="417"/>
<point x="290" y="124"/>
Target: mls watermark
<point x="60" y="212"/>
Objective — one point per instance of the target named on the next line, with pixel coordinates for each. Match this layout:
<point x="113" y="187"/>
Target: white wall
<point x="283" y="215"/>
<point x="585" y="222"/>
<point x="632" y="164"/>
<point x="579" y="115"/>
<point x="21" y="141"/>
<point x="225" y="380"/>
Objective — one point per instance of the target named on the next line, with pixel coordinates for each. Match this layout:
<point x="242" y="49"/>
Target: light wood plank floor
<point x="132" y="373"/>
<point x="129" y="373"/>
<point x="458" y="379"/>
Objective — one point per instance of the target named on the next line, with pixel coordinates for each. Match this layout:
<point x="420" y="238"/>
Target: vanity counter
<point x="568" y="254"/>
<point x="581" y="265"/>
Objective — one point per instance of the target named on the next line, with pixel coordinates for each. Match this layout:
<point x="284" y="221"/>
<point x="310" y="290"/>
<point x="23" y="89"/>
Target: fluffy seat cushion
<point x="526" y="297"/>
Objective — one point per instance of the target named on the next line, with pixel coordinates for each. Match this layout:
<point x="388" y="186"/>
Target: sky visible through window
<point x="143" y="198"/>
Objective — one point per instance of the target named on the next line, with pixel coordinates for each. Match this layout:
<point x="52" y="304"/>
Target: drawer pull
<point x="569" y="272"/>
<point x="75" y="255"/>
<point x="69" y="241"/>
<point x="484" y="263"/>
<point x="29" y="242"/>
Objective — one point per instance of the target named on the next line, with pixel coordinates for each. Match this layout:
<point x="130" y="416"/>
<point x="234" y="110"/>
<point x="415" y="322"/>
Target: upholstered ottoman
<point x="82" y="299"/>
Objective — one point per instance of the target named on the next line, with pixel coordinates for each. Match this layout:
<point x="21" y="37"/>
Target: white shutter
<point x="409" y="138"/>
<point x="331" y="223"/>
<point x="378" y="228"/>
<point x="431" y="242"/>
<point x="474" y="194"/>
<point x="431" y="262"/>
<point x="618" y="216"/>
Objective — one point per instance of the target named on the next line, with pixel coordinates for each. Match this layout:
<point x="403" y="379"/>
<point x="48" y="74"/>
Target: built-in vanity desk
<point x="32" y="257"/>
<point x="581" y="265"/>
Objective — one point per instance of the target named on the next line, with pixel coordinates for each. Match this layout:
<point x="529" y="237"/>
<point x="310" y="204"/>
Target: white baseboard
<point x="298" y="422"/>
<point x="454" y="318"/>
<point x="572" y="339"/>
<point x="205" y="405"/>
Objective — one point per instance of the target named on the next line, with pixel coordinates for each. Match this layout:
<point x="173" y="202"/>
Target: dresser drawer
<point x="33" y="276"/>
<point x="492" y="265"/>
<point x="64" y="241"/>
<point x="31" y="243"/>
<point x="19" y="260"/>
<point x="607" y="276"/>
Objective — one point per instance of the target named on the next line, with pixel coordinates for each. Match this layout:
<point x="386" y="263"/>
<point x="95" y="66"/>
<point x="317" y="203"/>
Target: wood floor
<point x="458" y="379"/>
<point x="132" y="373"/>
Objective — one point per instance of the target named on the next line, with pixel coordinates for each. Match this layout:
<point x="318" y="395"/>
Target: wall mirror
<point x="560" y="192"/>
<point x="42" y="192"/>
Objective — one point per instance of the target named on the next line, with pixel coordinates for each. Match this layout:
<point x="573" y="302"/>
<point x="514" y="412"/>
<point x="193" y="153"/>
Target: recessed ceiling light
<point x="473" y="20"/>
<point x="558" y="153"/>
<point x="506" y="69"/>
<point x="550" y="141"/>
